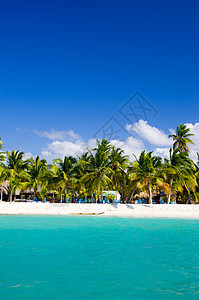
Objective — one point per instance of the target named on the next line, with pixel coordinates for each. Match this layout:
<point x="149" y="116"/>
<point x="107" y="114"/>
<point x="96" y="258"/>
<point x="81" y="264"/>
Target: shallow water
<point x="49" y="257"/>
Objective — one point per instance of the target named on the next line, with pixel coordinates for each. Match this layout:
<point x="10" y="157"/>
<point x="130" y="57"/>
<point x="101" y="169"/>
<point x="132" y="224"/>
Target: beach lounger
<point x="68" y="200"/>
<point x="153" y="201"/>
<point x="138" y="201"/>
<point x="116" y="201"/>
<point x="161" y="201"/>
<point x="106" y="201"/>
<point x="81" y="201"/>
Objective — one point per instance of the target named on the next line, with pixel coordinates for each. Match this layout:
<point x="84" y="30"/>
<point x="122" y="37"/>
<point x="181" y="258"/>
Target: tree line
<point x="106" y="168"/>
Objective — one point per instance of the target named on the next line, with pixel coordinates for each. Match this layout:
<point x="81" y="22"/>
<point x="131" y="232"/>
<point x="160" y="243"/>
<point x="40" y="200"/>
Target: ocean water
<point x="52" y="257"/>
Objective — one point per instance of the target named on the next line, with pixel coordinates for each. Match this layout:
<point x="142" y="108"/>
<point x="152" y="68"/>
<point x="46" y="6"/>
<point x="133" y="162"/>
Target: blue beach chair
<point x="161" y="201"/>
<point x="144" y="201"/>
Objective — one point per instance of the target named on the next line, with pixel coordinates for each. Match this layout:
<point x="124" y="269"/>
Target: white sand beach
<point x="120" y="210"/>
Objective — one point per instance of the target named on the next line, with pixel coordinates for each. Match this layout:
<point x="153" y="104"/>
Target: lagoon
<point x="67" y="257"/>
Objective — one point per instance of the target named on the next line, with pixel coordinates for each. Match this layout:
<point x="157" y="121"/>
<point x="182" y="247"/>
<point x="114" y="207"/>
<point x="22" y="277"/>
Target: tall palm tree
<point x="64" y="170"/>
<point x="97" y="168"/>
<point x="15" y="171"/>
<point x="2" y="181"/>
<point x="2" y="177"/>
<point x="119" y="163"/>
<point x="179" y="172"/>
<point x="146" y="172"/>
<point x="2" y="158"/>
<point x="182" y="138"/>
<point x="38" y="174"/>
<point x="103" y="147"/>
<point x="97" y="177"/>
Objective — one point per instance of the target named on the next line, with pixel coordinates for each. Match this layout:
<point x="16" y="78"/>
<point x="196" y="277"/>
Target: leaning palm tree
<point x="64" y="173"/>
<point x="182" y="138"/>
<point x="145" y="172"/>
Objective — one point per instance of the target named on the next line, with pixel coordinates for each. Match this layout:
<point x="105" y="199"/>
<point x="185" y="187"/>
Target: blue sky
<point x="71" y="65"/>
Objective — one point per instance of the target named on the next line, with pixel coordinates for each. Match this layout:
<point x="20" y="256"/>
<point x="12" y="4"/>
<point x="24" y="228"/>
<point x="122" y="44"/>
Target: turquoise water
<point x="98" y="258"/>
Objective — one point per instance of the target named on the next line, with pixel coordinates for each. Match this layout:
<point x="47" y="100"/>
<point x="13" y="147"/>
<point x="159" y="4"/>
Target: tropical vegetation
<point x="105" y="167"/>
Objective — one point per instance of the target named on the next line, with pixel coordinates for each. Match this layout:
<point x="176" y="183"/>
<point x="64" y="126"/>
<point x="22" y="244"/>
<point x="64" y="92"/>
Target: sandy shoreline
<point x="120" y="210"/>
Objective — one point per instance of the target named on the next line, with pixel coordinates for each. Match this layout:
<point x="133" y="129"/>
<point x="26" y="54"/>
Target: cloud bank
<point x="67" y="142"/>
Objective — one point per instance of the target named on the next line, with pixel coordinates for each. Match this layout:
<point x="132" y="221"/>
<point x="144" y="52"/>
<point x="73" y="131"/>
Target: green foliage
<point x="107" y="168"/>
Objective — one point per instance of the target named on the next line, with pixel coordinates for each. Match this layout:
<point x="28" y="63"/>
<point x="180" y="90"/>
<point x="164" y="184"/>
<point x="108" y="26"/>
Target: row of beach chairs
<point x="105" y="201"/>
<point x="143" y="201"/>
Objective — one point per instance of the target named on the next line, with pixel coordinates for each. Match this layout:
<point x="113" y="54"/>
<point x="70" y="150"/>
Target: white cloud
<point x="162" y="152"/>
<point x="194" y="148"/>
<point x="28" y="155"/>
<point x="62" y="135"/>
<point x="70" y="143"/>
<point x="64" y="148"/>
<point x="20" y="129"/>
<point x="60" y="149"/>
<point x="151" y="134"/>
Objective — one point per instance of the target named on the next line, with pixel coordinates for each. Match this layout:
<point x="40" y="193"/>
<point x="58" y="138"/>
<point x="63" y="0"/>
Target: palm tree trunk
<point x="132" y="194"/>
<point x="10" y="196"/>
<point x="150" y="192"/>
<point x="169" y="196"/>
<point x="61" y="195"/>
<point x="189" y="201"/>
<point x="65" y="192"/>
<point x="1" y="193"/>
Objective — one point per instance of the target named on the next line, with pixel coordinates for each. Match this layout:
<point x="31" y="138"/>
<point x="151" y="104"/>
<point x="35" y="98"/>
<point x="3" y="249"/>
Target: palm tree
<point x="38" y="174"/>
<point x="2" y="178"/>
<point x="64" y="170"/>
<point x="2" y="158"/>
<point x="145" y="172"/>
<point x="15" y="171"/>
<point x="97" y="177"/>
<point x="103" y="147"/>
<point x="182" y="138"/>
<point x="97" y="169"/>
<point x="2" y="181"/>
<point x="179" y="171"/>
<point x="119" y="163"/>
